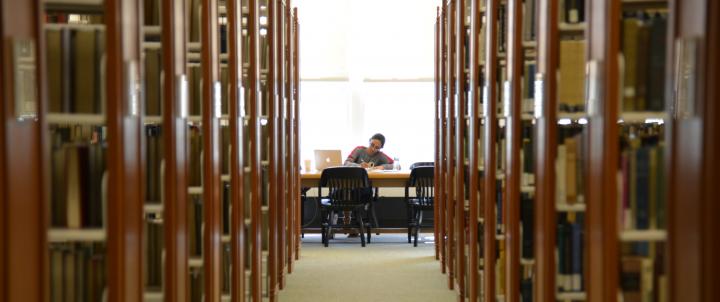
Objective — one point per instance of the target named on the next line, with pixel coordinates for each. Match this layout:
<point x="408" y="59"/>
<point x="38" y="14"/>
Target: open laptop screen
<point x="327" y="158"/>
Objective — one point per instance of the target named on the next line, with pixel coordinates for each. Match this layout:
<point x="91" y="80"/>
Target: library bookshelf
<point x="118" y="175"/>
<point x="596" y="146"/>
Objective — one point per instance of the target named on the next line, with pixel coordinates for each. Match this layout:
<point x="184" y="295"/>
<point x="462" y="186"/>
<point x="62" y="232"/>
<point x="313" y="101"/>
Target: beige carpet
<point x="388" y="269"/>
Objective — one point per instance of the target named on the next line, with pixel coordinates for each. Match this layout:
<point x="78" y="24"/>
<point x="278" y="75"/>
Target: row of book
<point x="641" y="180"/>
<point x="529" y="20"/>
<point x="154" y="159"/>
<point x="153" y="82"/>
<point x="572" y="11"/>
<point x="570" y="251"/>
<point x="151" y="11"/>
<point x="195" y="87"/>
<point x="78" y="272"/>
<point x="529" y="70"/>
<point x="195" y="219"/>
<point x="643" y="52"/>
<point x="570" y="165"/>
<point x="527" y="156"/>
<point x="571" y="76"/>
<point x="195" y="225"/>
<point x="65" y="18"/>
<point x="527" y="225"/>
<point x="154" y="254"/>
<point x="75" y="69"/>
<point x="78" y="182"/>
<point x="644" y="278"/>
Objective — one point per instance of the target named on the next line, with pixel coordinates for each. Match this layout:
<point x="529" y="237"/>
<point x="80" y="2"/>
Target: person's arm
<point x="350" y="161"/>
<point x="384" y="162"/>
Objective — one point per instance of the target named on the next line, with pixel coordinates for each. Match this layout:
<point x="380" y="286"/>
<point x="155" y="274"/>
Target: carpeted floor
<point x="388" y="269"/>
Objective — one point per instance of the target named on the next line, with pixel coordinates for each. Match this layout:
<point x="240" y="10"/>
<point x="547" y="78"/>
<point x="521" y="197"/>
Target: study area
<point x="347" y="150"/>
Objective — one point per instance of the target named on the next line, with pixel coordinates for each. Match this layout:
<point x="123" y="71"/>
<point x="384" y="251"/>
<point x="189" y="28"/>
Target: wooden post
<point x="460" y="133"/>
<point x="237" y="141"/>
<point x="175" y="138"/>
<point x="514" y="148"/>
<point x="602" y="237"/>
<point x="273" y="156"/>
<point x="440" y="168"/>
<point x="490" y="109"/>
<point x="450" y="164"/>
<point x="695" y="141"/>
<point x="545" y="221"/>
<point x="23" y="255"/>
<point x="255" y="143"/>
<point x="124" y="153"/>
<point x="473" y="136"/>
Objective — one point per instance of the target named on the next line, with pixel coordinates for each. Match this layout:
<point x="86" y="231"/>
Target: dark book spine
<point x="528" y="225"/>
<point x="656" y="64"/>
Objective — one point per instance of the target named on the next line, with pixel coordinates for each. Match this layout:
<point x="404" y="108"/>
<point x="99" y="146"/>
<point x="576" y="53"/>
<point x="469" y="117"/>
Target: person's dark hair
<point x="379" y="137"/>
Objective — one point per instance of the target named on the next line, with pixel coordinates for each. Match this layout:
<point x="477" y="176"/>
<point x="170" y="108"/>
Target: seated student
<point x="370" y="156"/>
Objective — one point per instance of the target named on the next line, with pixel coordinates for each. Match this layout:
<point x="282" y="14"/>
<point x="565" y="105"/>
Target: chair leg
<point x="374" y="217"/>
<point x="409" y="222"/>
<point x="302" y="215"/>
<point x="369" y="231"/>
<point x="362" y="229"/>
<point x="418" y="225"/>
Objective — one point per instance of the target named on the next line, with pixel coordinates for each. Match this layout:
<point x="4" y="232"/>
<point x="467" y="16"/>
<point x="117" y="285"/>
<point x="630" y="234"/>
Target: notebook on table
<point x="327" y="158"/>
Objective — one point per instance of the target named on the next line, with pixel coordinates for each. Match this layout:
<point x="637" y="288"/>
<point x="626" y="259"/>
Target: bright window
<point x="367" y="67"/>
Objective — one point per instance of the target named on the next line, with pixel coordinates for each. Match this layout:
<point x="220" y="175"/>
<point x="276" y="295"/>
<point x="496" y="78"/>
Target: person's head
<point x="377" y="142"/>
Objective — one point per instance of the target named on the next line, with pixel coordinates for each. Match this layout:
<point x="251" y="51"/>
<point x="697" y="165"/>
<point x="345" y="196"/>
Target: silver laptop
<point x="327" y="158"/>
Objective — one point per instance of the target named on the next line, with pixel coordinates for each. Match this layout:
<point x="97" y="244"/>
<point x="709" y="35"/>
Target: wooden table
<point x="379" y="178"/>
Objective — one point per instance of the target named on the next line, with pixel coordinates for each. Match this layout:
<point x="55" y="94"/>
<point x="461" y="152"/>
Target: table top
<point x="372" y="174"/>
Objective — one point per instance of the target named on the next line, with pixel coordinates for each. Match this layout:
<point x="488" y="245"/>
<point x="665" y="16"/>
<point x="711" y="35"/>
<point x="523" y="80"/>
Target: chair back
<point x="347" y="186"/>
<point x="423" y="178"/>
<point x="422" y="164"/>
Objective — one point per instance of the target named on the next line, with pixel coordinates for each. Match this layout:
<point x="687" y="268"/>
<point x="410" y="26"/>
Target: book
<point x="154" y="155"/>
<point x="577" y="235"/>
<point x="84" y="71"/>
<point x="571" y="170"/>
<point x="153" y="85"/>
<point x="54" y="53"/>
<point x="226" y="208"/>
<point x="527" y="220"/>
<point x="195" y="169"/>
<point x="73" y="185"/>
<point x="561" y="175"/>
<point x="630" y="29"/>
<point x="195" y="90"/>
<point x="571" y="84"/>
<point x="636" y="275"/>
<point x="58" y="205"/>
<point x="151" y="12"/>
<point x="656" y="63"/>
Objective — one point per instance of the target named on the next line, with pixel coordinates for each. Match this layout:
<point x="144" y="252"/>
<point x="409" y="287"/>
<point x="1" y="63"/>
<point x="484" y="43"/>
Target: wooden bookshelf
<point x="22" y="161"/>
<point x="459" y="102"/>
<point x="117" y="121"/>
<point x="511" y="209"/>
<point x="613" y="231"/>
<point x="441" y="141"/>
<point x="254" y="102"/>
<point x="438" y="129"/>
<point x="449" y="195"/>
<point x="490" y="103"/>
<point x="693" y="162"/>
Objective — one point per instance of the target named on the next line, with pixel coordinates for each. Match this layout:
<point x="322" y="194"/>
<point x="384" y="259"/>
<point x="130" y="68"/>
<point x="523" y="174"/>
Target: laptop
<point x="327" y="158"/>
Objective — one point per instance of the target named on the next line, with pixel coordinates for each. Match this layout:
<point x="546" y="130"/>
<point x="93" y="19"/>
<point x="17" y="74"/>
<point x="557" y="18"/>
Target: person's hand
<point x="378" y="167"/>
<point x="365" y="165"/>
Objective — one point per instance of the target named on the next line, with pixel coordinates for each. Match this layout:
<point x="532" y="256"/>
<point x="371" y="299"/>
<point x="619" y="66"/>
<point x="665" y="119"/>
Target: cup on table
<point x="307" y="165"/>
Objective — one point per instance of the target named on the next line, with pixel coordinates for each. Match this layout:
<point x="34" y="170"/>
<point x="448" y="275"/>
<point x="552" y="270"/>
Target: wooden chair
<point x="422" y="179"/>
<point x="348" y="191"/>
